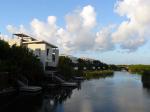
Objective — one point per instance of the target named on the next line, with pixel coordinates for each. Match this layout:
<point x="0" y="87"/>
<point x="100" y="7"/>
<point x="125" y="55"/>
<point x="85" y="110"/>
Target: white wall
<point x="42" y="47"/>
<point x="43" y="57"/>
<point x="49" y="57"/>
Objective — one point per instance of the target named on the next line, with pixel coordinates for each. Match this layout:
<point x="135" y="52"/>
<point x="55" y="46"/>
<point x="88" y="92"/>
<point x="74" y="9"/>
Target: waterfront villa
<point x="46" y="52"/>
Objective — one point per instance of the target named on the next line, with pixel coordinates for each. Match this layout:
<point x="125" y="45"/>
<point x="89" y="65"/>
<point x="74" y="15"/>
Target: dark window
<point x="47" y="52"/>
<point x="53" y="57"/>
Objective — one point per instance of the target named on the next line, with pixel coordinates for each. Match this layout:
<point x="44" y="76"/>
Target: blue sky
<point x="110" y="50"/>
<point x="25" y="10"/>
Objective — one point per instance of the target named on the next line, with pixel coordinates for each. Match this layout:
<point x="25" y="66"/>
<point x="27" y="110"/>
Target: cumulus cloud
<point x="45" y="30"/>
<point x="79" y="33"/>
<point x="13" y="29"/>
<point x="89" y="16"/>
<point x="103" y="39"/>
<point x="133" y="32"/>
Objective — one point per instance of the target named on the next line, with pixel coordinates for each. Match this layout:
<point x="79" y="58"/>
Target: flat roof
<point x="21" y="35"/>
<point x="39" y="42"/>
<point x="24" y="35"/>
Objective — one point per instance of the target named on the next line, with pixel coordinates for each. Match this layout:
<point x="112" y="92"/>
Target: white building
<point x="46" y="52"/>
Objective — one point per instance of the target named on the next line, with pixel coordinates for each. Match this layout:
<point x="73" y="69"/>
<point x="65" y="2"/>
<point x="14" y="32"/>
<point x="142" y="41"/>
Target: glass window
<point x="53" y="57"/>
<point x="47" y="52"/>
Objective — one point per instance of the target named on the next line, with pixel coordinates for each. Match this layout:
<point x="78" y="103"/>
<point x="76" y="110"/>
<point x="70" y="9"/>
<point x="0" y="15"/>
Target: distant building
<point x="46" y="52"/>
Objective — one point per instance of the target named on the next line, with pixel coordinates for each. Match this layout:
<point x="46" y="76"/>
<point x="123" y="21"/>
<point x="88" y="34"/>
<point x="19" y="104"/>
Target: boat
<point x="28" y="89"/>
<point x="69" y="84"/>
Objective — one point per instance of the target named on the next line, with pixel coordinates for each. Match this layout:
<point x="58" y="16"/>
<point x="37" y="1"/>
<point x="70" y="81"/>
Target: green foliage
<point x="97" y="74"/>
<point x="141" y="69"/>
<point x="90" y="64"/>
<point x="65" y="67"/>
<point x="20" y="62"/>
<point x="82" y="63"/>
<point x="114" y="67"/>
<point x="4" y="49"/>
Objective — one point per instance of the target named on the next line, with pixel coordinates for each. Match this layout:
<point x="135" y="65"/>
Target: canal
<point x="121" y="92"/>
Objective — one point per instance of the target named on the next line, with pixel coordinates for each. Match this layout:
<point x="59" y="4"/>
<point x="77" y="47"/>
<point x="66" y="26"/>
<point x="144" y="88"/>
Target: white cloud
<point x="45" y="30"/>
<point x="103" y="39"/>
<point x="79" y="33"/>
<point x="73" y="22"/>
<point x="89" y="16"/>
<point x="134" y="32"/>
<point x="79" y="36"/>
<point x="13" y="29"/>
<point x="52" y="20"/>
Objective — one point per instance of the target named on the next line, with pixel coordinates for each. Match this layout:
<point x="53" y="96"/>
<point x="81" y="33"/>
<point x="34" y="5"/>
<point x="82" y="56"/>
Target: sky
<point x="113" y="31"/>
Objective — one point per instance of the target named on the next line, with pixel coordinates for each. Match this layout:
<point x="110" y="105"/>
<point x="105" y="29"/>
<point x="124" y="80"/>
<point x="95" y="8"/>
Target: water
<point x="123" y="92"/>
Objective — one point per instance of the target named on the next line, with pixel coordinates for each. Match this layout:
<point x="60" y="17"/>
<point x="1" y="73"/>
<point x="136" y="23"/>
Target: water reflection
<point x="49" y="101"/>
<point x="53" y="99"/>
<point x="23" y="103"/>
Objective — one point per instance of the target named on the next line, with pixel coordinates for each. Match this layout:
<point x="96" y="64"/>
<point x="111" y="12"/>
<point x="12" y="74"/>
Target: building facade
<point x="46" y="52"/>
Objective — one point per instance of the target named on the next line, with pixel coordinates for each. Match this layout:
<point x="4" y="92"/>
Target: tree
<point x="65" y="67"/>
<point x="20" y="62"/>
<point x="4" y="50"/>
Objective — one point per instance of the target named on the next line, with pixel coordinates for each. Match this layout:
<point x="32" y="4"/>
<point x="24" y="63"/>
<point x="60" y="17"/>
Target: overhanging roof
<point x="35" y="40"/>
<point x="21" y="35"/>
<point x="39" y="42"/>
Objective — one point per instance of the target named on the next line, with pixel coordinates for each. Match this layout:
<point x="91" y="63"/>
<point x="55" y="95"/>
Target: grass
<point x="97" y="74"/>
<point x="140" y="69"/>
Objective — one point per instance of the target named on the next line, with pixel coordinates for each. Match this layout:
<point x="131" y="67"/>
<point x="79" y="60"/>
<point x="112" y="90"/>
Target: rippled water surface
<point x="122" y="92"/>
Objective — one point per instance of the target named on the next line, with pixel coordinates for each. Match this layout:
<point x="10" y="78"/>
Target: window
<point x="47" y="52"/>
<point x="53" y="57"/>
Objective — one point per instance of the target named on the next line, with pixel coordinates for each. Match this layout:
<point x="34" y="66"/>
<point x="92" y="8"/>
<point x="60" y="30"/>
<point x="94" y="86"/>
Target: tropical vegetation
<point x="85" y="68"/>
<point x="65" y="68"/>
<point x="19" y="63"/>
